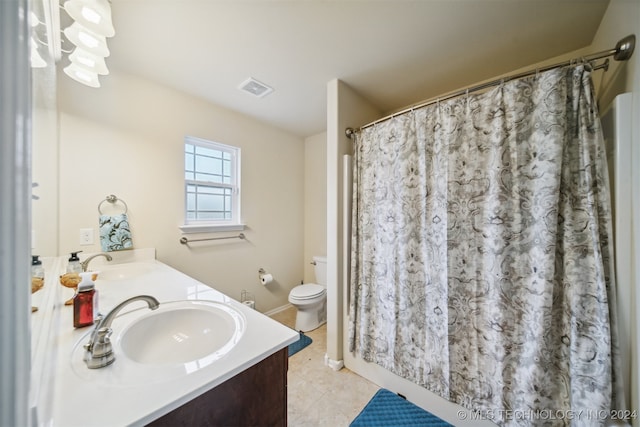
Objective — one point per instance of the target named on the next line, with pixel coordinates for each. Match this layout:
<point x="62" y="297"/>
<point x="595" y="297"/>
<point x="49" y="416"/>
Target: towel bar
<point x="112" y="199"/>
<point x="184" y="240"/>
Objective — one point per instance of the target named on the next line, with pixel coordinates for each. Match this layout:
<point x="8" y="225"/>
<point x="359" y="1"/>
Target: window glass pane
<point x="188" y="148"/>
<point x="189" y="176"/>
<point x="210" y="202"/>
<point x="191" y="202"/>
<point x="188" y="162"/>
<point x="226" y="155"/>
<point x="208" y="165"/>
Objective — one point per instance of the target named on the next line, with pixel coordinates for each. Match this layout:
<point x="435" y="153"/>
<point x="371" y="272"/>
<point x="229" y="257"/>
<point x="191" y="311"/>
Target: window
<point x="212" y="186"/>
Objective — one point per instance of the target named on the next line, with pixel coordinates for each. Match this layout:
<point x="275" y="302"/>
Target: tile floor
<point x="319" y="396"/>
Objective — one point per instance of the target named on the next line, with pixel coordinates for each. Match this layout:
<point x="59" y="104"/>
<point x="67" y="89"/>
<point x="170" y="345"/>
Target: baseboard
<point x="336" y="365"/>
<point x="277" y="310"/>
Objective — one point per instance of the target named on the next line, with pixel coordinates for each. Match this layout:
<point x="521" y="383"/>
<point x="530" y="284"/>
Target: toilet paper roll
<point x="250" y="304"/>
<point x="266" y="279"/>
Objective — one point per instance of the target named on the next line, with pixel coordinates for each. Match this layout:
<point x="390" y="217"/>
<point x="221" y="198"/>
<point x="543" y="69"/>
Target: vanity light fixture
<point x="92" y="25"/>
<point x="94" y="15"/>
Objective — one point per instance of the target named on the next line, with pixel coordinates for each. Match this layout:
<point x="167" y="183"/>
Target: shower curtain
<point x="481" y="264"/>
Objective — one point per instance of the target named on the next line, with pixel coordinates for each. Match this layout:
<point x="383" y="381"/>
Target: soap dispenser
<point x="74" y="265"/>
<point x="85" y="303"/>
<point x="37" y="271"/>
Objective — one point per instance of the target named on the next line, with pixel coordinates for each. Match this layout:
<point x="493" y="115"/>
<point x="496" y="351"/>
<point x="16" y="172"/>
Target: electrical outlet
<point x="86" y="236"/>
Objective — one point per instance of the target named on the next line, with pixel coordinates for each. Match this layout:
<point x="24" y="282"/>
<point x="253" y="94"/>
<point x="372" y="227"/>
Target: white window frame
<point x="211" y="225"/>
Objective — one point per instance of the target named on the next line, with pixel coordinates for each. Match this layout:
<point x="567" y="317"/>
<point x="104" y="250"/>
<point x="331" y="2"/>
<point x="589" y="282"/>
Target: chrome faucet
<point x="85" y="263"/>
<point x="99" y="351"/>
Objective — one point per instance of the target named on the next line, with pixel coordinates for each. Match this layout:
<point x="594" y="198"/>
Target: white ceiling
<point x="393" y="52"/>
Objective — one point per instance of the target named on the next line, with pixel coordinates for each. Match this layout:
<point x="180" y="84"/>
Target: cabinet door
<point x="254" y="397"/>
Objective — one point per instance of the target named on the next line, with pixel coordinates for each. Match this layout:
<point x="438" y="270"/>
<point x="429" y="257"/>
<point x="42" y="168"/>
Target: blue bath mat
<point x="302" y="342"/>
<point x="387" y="409"/>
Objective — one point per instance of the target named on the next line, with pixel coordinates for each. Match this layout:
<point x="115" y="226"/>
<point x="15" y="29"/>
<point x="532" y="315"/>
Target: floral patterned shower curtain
<point x="481" y="263"/>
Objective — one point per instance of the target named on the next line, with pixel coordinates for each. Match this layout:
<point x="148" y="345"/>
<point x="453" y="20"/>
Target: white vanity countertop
<point x="91" y="399"/>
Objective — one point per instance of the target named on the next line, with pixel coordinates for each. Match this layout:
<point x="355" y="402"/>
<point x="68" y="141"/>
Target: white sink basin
<point x="182" y="332"/>
<point x="124" y="271"/>
<point x="178" y="338"/>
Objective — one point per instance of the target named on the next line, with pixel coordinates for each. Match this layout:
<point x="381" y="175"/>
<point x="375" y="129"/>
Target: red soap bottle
<point x="85" y="303"/>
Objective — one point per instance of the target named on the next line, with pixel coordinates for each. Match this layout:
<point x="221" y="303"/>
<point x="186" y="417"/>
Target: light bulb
<point x="83" y="76"/>
<point x="88" y="60"/>
<point x="94" y="15"/>
<point x="86" y="39"/>
<point x="91" y="15"/>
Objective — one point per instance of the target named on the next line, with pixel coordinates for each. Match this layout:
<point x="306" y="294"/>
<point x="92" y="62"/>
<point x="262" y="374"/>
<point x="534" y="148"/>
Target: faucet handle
<point x="100" y="352"/>
<point x="102" y="343"/>
<point x="99" y="337"/>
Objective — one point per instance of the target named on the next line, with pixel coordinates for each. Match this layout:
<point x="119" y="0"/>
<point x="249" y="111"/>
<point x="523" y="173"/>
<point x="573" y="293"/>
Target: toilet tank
<point x="320" y="270"/>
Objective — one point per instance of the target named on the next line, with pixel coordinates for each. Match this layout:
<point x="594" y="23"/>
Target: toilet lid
<point x="307" y="291"/>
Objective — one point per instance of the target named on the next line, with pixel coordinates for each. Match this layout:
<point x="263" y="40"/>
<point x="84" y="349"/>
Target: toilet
<point x="310" y="299"/>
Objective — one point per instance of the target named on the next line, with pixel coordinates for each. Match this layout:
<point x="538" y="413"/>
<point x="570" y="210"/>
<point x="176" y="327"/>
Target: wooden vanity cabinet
<point x="254" y="397"/>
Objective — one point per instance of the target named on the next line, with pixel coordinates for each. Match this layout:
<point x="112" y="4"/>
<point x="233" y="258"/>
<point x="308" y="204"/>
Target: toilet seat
<point x="307" y="291"/>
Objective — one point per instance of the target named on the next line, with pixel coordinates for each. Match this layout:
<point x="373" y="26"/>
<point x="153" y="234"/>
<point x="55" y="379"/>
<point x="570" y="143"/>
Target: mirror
<point x="44" y="148"/>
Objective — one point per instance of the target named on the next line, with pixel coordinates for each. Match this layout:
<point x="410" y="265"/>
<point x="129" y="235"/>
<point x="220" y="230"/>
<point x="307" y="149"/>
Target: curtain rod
<point x="622" y="52"/>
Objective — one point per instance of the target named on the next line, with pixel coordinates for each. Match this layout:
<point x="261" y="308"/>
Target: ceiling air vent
<point x="255" y="87"/>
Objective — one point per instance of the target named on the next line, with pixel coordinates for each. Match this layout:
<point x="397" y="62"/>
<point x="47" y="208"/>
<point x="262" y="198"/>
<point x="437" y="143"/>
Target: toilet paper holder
<point x="264" y="277"/>
<point x="247" y="299"/>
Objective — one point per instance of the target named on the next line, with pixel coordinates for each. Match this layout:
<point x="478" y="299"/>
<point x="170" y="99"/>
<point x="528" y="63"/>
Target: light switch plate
<point x="86" y="236"/>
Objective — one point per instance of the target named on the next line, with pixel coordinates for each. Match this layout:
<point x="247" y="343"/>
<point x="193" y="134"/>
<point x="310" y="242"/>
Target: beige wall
<point x="345" y="108"/>
<point x="315" y="201"/>
<point x="127" y="139"/>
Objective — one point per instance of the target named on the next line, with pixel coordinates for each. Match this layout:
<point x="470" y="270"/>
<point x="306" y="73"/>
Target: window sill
<point x="210" y="228"/>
